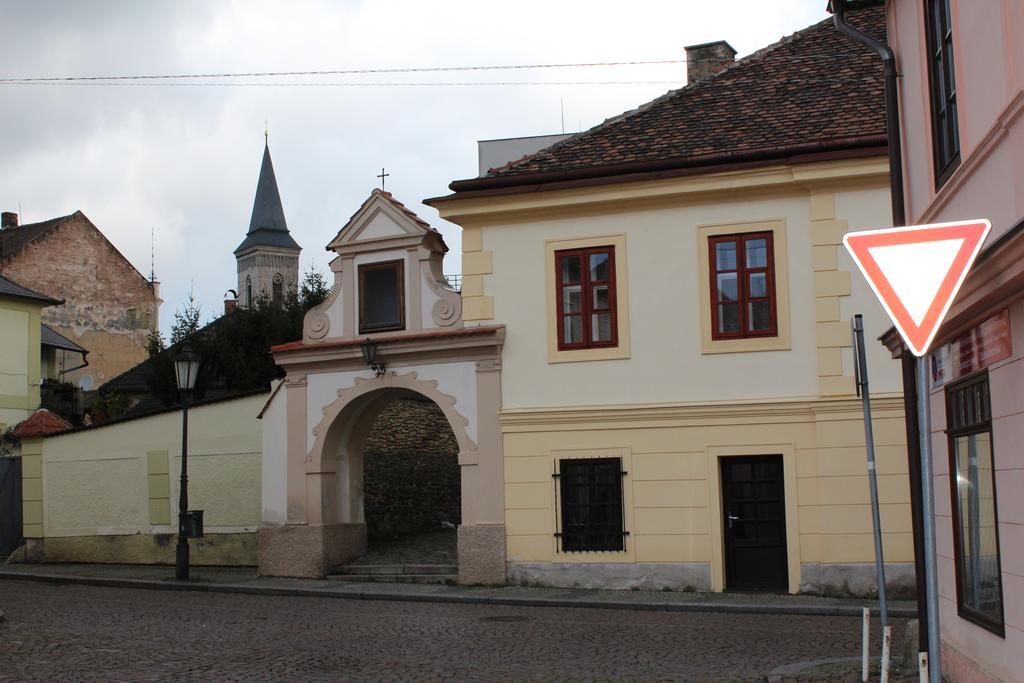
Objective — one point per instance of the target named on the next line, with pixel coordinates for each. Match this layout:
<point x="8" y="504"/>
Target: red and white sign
<point x="916" y="272"/>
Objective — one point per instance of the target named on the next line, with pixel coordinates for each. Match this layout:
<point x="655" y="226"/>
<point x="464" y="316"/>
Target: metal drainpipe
<point x="892" y="129"/>
<point x="892" y="108"/>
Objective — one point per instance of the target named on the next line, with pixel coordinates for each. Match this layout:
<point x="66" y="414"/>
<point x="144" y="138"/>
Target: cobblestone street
<point x="72" y="633"/>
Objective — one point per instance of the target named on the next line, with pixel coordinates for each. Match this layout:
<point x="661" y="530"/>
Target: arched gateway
<point x="388" y="290"/>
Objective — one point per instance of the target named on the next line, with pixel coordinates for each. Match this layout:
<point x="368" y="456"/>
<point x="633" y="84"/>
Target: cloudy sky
<point x="184" y="159"/>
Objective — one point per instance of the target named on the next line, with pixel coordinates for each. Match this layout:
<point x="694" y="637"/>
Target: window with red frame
<point x="586" y="298"/>
<point x="742" y="286"/>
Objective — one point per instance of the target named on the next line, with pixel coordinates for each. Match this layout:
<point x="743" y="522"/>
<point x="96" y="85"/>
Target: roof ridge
<point x="55" y="220"/>
<point x="401" y="206"/>
<point x="753" y="58"/>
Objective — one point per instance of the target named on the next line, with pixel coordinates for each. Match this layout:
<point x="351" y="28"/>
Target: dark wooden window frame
<point x="742" y="284"/>
<point x="399" y="268"/>
<point x="942" y="93"/>
<point x="586" y="298"/>
<point x="959" y="425"/>
<point x="568" y="541"/>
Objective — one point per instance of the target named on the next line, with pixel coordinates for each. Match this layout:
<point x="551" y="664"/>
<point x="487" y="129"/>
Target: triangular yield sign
<point x="916" y="272"/>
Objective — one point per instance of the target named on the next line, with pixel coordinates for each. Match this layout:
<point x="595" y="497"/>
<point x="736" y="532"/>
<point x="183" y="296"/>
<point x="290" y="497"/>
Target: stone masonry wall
<point x="261" y="266"/>
<point x="109" y="307"/>
<point x="411" y="477"/>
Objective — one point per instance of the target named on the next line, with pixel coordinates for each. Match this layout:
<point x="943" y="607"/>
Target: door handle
<point x="731" y="519"/>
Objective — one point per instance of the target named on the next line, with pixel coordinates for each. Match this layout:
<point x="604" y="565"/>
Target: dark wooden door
<point x="754" y="519"/>
<point x="10" y="505"/>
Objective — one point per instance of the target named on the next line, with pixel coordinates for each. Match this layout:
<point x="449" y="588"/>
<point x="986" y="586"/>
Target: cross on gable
<point x="382" y="175"/>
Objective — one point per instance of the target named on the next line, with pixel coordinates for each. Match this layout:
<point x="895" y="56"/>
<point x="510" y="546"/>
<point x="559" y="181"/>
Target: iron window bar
<point x="560" y="500"/>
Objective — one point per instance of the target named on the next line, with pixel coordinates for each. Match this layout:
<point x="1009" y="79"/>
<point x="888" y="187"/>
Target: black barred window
<point x="591" y="495"/>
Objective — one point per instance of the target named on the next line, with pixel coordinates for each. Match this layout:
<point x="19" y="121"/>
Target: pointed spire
<point x="267" y="226"/>
<point x="267" y="212"/>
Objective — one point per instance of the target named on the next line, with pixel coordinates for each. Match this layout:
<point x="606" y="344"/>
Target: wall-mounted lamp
<point x="369" y="349"/>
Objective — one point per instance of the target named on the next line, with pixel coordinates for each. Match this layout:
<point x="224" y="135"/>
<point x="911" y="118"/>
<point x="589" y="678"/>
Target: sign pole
<point x="924" y="426"/>
<point x="860" y="363"/>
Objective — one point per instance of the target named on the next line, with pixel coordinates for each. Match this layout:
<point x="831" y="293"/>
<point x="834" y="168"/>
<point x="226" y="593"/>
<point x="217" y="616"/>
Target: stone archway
<point x="327" y="407"/>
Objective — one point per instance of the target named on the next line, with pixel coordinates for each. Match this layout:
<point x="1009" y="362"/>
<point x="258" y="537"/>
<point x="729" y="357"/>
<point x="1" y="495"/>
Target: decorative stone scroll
<point x="447" y="310"/>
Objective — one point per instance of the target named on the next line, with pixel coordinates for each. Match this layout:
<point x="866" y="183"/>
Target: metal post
<point x="886" y="654"/>
<point x="181" y="558"/>
<point x="924" y="423"/>
<point x="861" y="372"/>
<point x="865" y="646"/>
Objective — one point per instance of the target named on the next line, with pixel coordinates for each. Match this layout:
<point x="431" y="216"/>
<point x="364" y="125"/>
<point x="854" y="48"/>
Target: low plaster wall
<point x="213" y="549"/>
<point x="110" y="494"/>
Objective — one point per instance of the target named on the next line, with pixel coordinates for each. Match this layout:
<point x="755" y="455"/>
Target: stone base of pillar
<point x="308" y="551"/>
<point x="482" y="554"/>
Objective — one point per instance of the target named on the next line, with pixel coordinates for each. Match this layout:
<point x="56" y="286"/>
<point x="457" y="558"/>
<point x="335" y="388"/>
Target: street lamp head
<point x="186" y="368"/>
<point x="369" y="349"/>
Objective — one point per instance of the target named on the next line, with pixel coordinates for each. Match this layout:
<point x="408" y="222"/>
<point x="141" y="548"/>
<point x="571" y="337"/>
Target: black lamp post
<point x="369" y="349"/>
<point x="186" y="368"/>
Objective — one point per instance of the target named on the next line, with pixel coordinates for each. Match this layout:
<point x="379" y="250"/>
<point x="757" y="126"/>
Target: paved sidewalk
<point x="245" y="580"/>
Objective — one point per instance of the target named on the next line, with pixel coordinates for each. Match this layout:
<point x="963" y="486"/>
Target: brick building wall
<point x="109" y="307"/>
<point x="411" y="472"/>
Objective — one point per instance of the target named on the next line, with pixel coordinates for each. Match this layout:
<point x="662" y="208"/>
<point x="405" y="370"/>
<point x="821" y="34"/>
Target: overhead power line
<point x="193" y="84"/>
<point x="223" y="78"/>
<point x="335" y="72"/>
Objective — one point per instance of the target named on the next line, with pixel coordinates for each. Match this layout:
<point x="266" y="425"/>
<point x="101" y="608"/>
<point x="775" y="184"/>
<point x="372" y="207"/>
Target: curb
<point x="454" y="598"/>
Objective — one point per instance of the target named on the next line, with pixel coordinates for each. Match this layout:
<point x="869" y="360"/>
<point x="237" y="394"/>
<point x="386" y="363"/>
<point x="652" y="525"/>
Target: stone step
<point x="395" y="569"/>
<point x="396" y="578"/>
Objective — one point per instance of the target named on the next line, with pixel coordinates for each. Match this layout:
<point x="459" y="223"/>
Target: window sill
<point x="980" y="621"/>
<point x="745" y="345"/>
<point x="580" y="355"/>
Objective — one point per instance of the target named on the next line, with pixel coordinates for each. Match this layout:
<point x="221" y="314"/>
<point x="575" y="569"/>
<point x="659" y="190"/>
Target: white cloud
<point x="184" y="160"/>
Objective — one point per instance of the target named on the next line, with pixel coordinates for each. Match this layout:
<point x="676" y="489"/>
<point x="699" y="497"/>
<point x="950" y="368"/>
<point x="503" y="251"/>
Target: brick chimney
<point x="8" y="219"/>
<point x="707" y="59"/>
<point x="230" y="305"/>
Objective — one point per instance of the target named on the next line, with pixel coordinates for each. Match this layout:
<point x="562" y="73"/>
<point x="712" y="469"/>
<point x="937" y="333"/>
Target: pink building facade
<point x="961" y="108"/>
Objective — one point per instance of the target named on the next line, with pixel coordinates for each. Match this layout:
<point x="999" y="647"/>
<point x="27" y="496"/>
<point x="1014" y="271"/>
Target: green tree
<point x="313" y="290"/>
<point x="186" y="321"/>
<point x="155" y="344"/>
<point x="235" y="348"/>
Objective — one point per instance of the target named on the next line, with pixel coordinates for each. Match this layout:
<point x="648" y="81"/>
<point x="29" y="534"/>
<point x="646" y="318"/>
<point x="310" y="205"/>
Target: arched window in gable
<point x="278" y="289"/>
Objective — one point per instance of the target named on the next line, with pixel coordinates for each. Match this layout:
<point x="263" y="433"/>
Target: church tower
<point x="268" y="257"/>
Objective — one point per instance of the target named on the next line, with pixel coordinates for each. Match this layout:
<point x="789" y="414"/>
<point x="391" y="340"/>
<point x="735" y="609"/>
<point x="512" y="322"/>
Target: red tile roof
<point x="816" y="89"/>
<point x="41" y="423"/>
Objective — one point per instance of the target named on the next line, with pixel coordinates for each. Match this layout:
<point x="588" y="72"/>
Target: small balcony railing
<point x="454" y="281"/>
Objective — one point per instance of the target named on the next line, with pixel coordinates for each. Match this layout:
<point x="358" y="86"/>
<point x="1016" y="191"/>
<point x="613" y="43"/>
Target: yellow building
<point x="677" y="401"/>
<point x="20" y="356"/>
